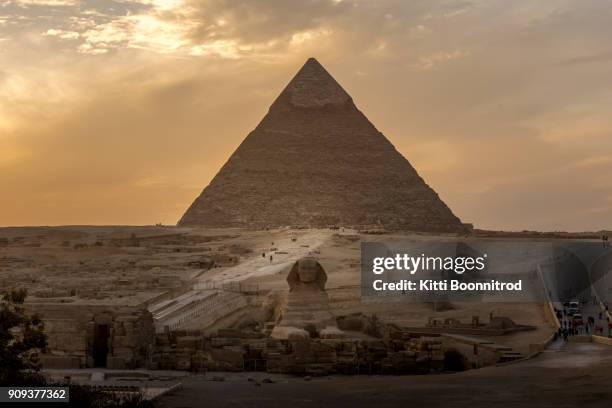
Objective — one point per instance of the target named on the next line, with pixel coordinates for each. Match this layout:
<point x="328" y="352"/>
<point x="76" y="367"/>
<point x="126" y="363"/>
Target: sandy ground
<point x="47" y="259"/>
<point x="575" y="375"/>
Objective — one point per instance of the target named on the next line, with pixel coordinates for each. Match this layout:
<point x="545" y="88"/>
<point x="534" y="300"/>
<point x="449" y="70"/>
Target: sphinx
<point x="306" y="311"/>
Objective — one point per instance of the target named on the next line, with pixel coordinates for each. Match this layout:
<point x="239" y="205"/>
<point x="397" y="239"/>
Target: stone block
<point x="189" y="342"/>
<point x="233" y="333"/>
<point x="116" y="363"/>
<point x="331" y="332"/>
<point x="224" y="341"/>
<point x="60" y="361"/>
<point x="233" y="358"/>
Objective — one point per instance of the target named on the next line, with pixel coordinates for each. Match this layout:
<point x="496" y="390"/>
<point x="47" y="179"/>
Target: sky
<point x="121" y="112"/>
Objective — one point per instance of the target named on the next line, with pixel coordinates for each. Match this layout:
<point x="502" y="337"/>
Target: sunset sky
<point x="120" y="112"/>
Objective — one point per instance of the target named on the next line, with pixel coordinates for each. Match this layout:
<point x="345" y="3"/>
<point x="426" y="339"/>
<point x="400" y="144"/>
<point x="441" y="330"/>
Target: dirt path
<point x="258" y="266"/>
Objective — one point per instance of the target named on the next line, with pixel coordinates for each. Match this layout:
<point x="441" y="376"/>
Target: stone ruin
<point x="306" y="340"/>
<point x="298" y="336"/>
<point x="246" y="350"/>
<point x="87" y="336"/>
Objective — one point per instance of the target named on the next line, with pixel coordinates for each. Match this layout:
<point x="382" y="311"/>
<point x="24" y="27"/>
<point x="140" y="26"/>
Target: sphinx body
<point x="306" y="312"/>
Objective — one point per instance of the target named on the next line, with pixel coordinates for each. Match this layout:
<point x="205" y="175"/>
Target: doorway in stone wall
<point x="100" y="345"/>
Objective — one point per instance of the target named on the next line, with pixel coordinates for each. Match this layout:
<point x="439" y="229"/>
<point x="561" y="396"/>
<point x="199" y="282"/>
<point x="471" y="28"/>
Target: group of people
<point x="564" y="332"/>
<point x="571" y="326"/>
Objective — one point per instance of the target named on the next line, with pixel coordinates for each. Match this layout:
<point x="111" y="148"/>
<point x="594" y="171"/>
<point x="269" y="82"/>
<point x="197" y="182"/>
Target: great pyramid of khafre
<point x="316" y="161"/>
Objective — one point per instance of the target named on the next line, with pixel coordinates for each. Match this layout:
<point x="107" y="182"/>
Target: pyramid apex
<point x="313" y="65"/>
<point x="312" y="87"/>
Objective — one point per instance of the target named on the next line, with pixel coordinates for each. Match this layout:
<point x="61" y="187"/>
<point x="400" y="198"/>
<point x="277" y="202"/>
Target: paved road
<point x="584" y="275"/>
<point x="258" y="266"/>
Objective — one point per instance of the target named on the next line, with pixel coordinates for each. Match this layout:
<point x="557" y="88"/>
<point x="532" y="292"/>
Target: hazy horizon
<point x="121" y="112"/>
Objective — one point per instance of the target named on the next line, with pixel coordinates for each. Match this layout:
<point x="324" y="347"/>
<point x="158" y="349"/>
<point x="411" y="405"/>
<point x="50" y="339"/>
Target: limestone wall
<point x="246" y="350"/>
<point x="70" y="332"/>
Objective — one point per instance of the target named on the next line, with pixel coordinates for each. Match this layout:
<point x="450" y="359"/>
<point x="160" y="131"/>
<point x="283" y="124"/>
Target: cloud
<point x="64" y="35"/>
<point x="54" y="3"/>
<point x="130" y="107"/>
<point x="433" y="61"/>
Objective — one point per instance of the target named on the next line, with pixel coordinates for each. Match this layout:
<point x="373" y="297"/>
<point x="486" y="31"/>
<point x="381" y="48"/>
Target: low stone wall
<point x="551" y="317"/>
<point x="581" y="338"/>
<point x="472" y="331"/>
<point x="549" y="309"/>
<point x="57" y="362"/>
<point x="237" y="350"/>
<point x="602" y="340"/>
<point x="588" y="338"/>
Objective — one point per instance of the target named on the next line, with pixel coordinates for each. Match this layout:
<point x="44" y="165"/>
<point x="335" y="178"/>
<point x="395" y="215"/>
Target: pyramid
<point x="316" y="161"/>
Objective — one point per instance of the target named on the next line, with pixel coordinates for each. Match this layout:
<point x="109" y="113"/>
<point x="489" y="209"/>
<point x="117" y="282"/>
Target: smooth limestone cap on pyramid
<point x="316" y="161"/>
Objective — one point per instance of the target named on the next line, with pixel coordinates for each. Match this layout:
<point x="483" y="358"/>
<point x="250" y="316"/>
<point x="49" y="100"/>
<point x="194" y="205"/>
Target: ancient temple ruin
<point x="316" y="161"/>
<point x="87" y="335"/>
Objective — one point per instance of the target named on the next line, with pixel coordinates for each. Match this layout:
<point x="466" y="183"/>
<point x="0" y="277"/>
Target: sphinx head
<point x="307" y="272"/>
